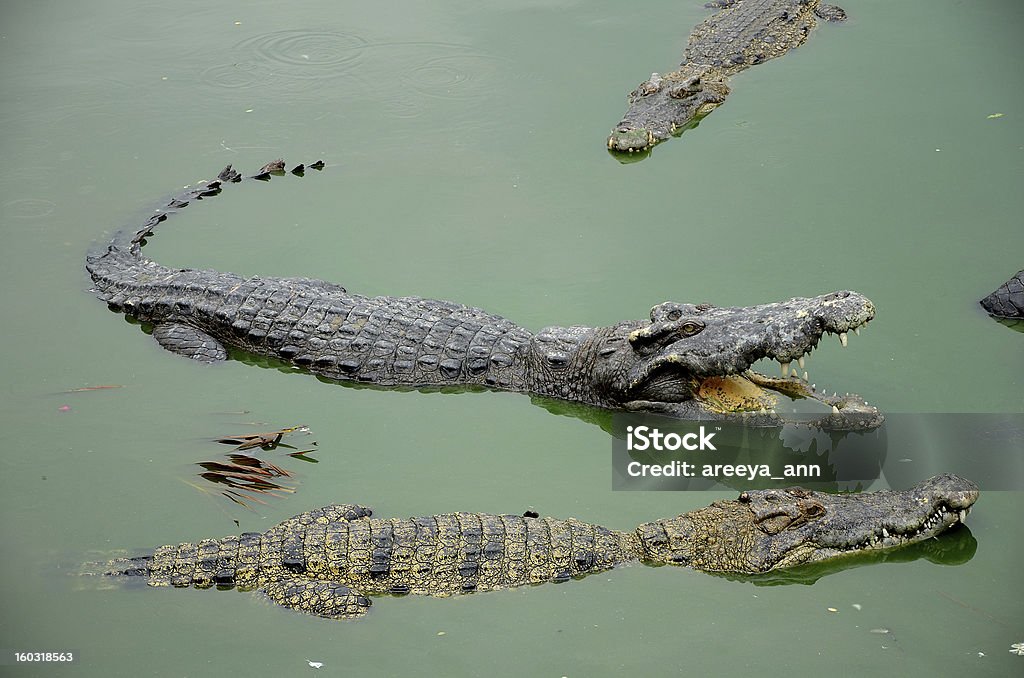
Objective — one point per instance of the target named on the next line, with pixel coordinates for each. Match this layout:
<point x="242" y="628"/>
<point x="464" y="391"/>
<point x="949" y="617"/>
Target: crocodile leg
<point x="322" y="598"/>
<point x="190" y="342"/>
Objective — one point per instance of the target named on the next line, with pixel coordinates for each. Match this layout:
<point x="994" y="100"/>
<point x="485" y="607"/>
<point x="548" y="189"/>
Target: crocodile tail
<point x="127" y="245"/>
<point x="224" y="563"/>
<point x="139" y="566"/>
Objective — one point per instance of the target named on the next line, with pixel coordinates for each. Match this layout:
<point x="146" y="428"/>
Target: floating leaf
<point x="247" y="478"/>
<point x="266" y="441"/>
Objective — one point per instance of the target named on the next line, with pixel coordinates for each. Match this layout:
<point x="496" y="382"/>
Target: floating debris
<point x="1017" y="649"/>
<point x="267" y="441"/>
<point x="315" y="665"/>
<point x="85" y="389"/>
<point x="247" y="478"/>
<point x="992" y="116"/>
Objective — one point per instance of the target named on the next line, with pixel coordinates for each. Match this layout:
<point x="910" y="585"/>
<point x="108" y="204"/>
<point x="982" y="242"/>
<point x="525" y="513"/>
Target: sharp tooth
<point x="842" y="339"/>
<point x="805" y="376"/>
<point x="835" y="410"/>
<point x="785" y="368"/>
<point x="800" y="362"/>
<point x="793" y="373"/>
<point x="961" y="515"/>
<point x="885" y="533"/>
<point x="856" y="330"/>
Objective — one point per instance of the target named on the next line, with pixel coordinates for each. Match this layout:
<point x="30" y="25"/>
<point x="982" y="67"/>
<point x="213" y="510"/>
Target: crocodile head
<point x="665" y="105"/>
<point x="764" y="530"/>
<point x="694" y="361"/>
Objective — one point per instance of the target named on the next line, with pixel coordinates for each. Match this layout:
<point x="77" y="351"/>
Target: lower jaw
<point x="753" y="392"/>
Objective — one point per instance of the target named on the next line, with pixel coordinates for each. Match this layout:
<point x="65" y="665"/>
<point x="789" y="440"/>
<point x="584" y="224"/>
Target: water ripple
<point x="398" y="77"/>
<point x="460" y="74"/>
<point x="29" y="208"/>
<point x="308" y="54"/>
<point x="233" y="76"/>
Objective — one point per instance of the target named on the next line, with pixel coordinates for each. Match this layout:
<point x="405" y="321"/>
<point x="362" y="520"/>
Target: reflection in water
<point x="954" y="547"/>
<point x="1012" y="323"/>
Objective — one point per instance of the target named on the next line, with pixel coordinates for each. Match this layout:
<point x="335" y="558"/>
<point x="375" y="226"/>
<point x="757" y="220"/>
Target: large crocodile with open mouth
<point x="742" y="34"/>
<point x="328" y="561"/>
<point x="689" y="361"/>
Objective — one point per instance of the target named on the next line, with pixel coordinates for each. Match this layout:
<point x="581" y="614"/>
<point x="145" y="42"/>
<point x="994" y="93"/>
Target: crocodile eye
<point x="691" y="328"/>
<point x="744" y="498"/>
<point x="675" y="315"/>
<point x="771" y="498"/>
<point x="815" y="511"/>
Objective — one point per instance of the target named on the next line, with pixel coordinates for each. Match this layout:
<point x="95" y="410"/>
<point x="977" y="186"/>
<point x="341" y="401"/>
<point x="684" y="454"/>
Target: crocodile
<point x="1008" y="300"/>
<point x="327" y="562"/>
<point x="742" y="34"/>
<point x="687" y="361"/>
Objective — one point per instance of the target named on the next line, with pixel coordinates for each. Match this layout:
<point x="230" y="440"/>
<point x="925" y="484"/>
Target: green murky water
<point x="465" y="144"/>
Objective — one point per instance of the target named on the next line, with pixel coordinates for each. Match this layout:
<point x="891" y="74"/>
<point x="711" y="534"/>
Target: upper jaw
<point x="729" y="341"/>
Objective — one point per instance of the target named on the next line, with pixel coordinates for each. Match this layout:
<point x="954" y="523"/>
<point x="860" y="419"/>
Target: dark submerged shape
<point x="689" y="361"/>
<point x="1008" y="300"/>
<point x="328" y="561"/>
<point x="742" y="34"/>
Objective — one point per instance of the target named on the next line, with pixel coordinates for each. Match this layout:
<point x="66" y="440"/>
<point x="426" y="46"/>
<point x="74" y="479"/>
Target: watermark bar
<point x="657" y="453"/>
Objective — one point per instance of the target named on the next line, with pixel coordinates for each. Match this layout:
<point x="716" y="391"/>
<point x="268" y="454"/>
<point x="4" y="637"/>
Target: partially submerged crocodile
<point x="327" y="561"/>
<point x="742" y="34"/>
<point x="688" y="361"/>
<point x="1008" y="300"/>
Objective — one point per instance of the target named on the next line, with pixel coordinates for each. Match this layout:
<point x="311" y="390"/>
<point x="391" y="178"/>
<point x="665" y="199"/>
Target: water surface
<point x="465" y="144"/>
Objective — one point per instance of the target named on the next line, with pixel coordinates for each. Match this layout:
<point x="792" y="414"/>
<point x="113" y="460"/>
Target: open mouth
<point x="755" y="392"/>
<point x="719" y="373"/>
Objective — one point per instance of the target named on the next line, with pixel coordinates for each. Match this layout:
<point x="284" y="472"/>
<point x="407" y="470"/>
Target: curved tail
<point x="133" y="242"/>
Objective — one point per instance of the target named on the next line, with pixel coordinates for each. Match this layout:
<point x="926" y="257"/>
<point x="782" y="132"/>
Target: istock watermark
<point x="658" y="453"/>
<point x="647" y="438"/>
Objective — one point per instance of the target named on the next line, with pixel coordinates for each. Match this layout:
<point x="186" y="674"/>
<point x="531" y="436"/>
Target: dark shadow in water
<point x="1015" y="324"/>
